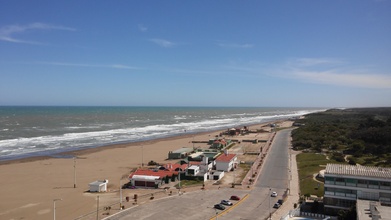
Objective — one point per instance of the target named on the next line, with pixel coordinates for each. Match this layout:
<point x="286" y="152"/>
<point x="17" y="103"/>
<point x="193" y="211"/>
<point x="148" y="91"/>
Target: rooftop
<point x="183" y="150"/>
<point x="357" y="170"/>
<point x="225" y="157"/>
<point x="146" y="172"/>
<point x="367" y="210"/>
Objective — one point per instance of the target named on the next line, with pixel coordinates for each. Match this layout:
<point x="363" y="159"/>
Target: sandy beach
<point x="29" y="186"/>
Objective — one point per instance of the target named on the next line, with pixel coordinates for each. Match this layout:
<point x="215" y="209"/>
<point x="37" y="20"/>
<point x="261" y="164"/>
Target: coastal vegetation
<point x="354" y="136"/>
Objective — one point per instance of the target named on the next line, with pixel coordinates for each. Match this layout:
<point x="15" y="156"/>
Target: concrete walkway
<point x="293" y="196"/>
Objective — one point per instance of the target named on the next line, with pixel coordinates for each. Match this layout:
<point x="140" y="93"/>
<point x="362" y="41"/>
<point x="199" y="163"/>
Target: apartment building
<point x="344" y="184"/>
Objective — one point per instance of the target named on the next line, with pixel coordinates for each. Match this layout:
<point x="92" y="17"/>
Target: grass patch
<point x="308" y="165"/>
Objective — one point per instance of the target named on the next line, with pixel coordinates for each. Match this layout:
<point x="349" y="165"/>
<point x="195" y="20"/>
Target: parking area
<point x="190" y="205"/>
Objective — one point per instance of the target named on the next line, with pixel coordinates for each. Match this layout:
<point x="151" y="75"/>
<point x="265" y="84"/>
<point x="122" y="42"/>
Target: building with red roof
<point x="151" y="178"/>
<point x="226" y="162"/>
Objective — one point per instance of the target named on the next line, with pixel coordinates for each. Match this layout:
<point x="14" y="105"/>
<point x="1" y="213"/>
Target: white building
<point x="98" y="186"/>
<point x="205" y="165"/>
<point x="145" y="181"/>
<point x="226" y="162"/>
<point x="344" y="184"/>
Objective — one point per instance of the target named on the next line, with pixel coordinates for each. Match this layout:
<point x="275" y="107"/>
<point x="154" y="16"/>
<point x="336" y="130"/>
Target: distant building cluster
<point x="195" y="163"/>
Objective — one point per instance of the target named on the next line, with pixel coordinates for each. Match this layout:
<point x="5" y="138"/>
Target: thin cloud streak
<point x="326" y="71"/>
<point x="367" y="80"/>
<point x="114" y="66"/>
<point x="336" y="72"/>
<point x="306" y="62"/>
<point x="7" y="32"/>
<point x="162" y="42"/>
<point x="232" y="45"/>
<point x="142" y="28"/>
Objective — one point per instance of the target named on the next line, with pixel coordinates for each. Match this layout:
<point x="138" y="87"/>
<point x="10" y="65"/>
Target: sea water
<point x="41" y="131"/>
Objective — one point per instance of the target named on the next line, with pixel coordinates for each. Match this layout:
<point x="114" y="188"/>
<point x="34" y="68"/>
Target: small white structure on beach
<point x="98" y="186"/>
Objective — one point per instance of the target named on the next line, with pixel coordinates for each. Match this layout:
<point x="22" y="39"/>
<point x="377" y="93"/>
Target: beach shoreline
<point x="83" y="151"/>
<point x="30" y="185"/>
<point x="87" y="150"/>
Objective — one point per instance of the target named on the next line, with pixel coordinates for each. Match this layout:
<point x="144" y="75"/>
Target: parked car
<point x="280" y="201"/>
<point x="277" y="205"/>
<point x="274" y="194"/>
<point x="235" y="198"/>
<point x="225" y="202"/>
<point x="219" y="206"/>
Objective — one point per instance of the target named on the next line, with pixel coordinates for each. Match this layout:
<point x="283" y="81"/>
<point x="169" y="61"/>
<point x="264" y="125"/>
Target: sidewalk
<point x="293" y="196"/>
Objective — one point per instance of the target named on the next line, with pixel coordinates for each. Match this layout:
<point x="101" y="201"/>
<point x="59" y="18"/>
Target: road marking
<point x="229" y="209"/>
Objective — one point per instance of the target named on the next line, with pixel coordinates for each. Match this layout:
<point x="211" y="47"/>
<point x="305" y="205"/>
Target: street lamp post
<point x="179" y="178"/>
<point x="74" y="172"/>
<point x="120" y="194"/>
<point x="270" y="214"/>
<point x="142" y="156"/>
<point x="97" y="208"/>
<point x="54" y="207"/>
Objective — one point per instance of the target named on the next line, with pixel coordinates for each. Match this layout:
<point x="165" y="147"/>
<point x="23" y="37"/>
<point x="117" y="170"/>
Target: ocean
<point x="47" y="131"/>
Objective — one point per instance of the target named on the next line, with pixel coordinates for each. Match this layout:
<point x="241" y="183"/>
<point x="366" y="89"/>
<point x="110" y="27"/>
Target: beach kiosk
<point x="98" y="186"/>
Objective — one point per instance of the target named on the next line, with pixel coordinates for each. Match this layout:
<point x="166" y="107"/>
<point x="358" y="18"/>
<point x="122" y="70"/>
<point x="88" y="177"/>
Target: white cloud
<point x="325" y="71"/>
<point x="162" y="42"/>
<point x="334" y="72"/>
<point x="142" y="28"/>
<point x="120" y="66"/>
<point x="233" y="45"/>
<point x="7" y="32"/>
<point x="316" y="61"/>
<point x="367" y="80"/>
<point x="114" y="66"/>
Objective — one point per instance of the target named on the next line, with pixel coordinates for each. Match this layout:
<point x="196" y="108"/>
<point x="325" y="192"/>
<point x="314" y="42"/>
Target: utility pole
<point x="97" y="208"/>
<point x="179" y="178"/>
<point x="142" y="156"/>
<point x="270" y="214"/>
<point x="74" y="172"/>
<point x="120" y="194"/>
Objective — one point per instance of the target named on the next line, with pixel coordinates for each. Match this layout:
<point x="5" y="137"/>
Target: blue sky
<point x="302" y="53"/>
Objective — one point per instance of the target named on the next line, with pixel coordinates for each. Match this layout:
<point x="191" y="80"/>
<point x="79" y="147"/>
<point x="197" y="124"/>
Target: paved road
<point x="273" y="177"/>
<point x="199" y="205"/>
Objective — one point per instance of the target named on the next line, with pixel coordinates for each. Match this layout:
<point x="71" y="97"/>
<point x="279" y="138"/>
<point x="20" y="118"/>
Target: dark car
<point x="277" y="205"/>
<point x="235" y="198"/>
<point x="219" y="206"/>
<point x="280" y="201"/>
<point x="226" y="202"/>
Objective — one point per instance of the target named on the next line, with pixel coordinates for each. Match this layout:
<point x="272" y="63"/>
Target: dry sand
<point x="28" y="187"/>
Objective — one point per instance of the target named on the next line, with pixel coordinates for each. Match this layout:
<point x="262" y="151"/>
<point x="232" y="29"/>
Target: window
<point x="373" y="184"/>
<point x="385" y="185"/>
<point x="340" y="181"/>
<point x="351" y="182"/>
<point x="329" y="180"/>
<point x="362" y="183"/>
